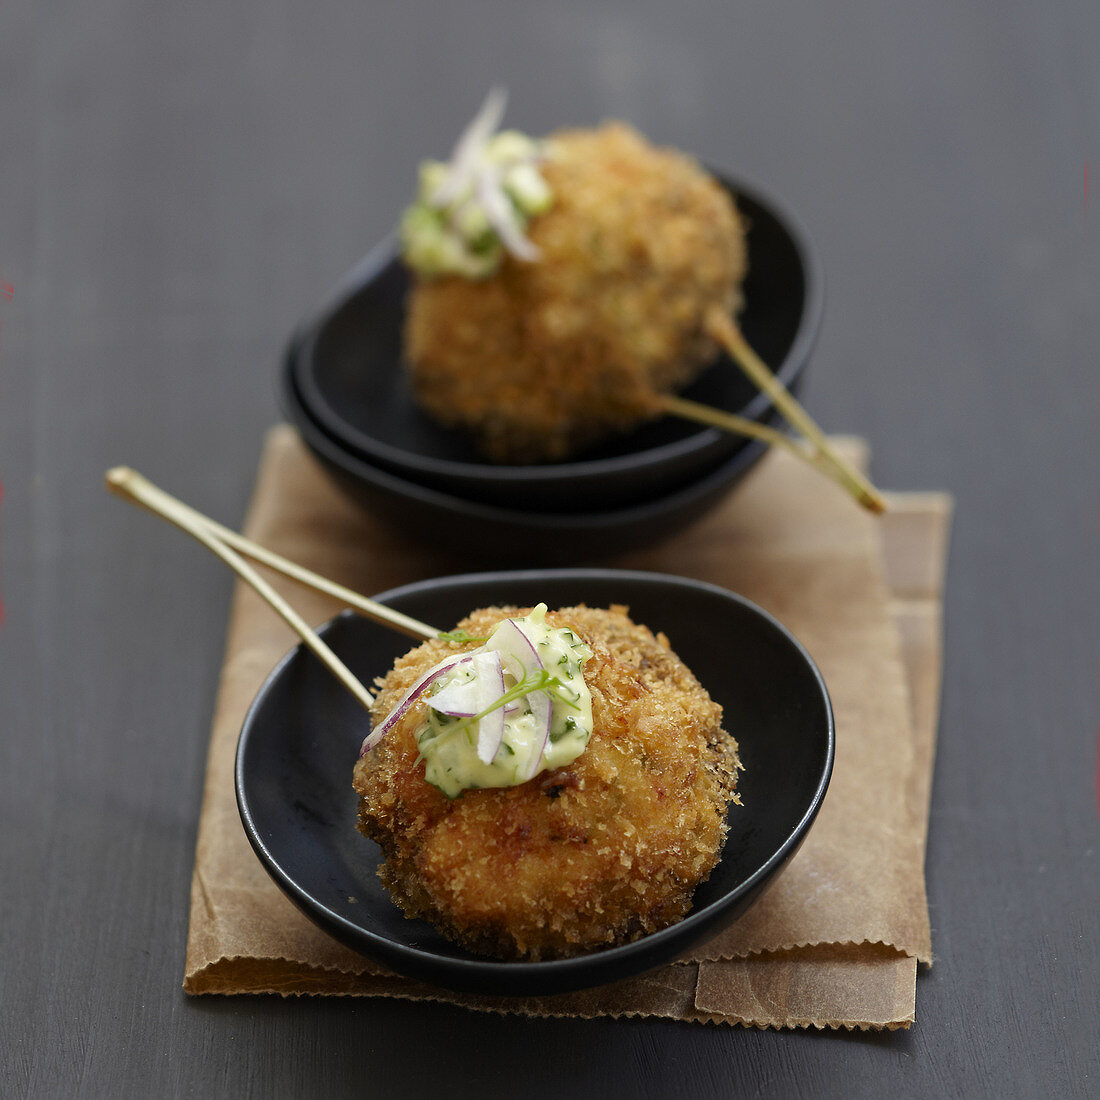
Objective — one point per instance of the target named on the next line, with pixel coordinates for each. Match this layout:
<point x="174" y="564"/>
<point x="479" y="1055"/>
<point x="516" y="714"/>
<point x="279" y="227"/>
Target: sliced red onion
<point x="409" y="698"/>
<point x="458" y="699"/>
<point x="501" y="215"/>
<point x="489" y="676"/>
<point x="541" y="709"/>
<point x="509" y="640"/>
<point x="469" y="146"/>
<point x="513" y="667"/>
<point x="515" y="647"/>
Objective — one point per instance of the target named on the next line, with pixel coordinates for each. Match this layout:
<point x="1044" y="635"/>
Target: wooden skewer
<point x="822" y="454"/>
<point x="132" y="486"/>
<point x="740" y="425"/>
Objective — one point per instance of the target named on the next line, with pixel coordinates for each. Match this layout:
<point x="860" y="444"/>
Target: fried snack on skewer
<point x="543" y="358"/>
<point x="576" y="807"/>
<point x="594" y="853"/>
<point x="564" y="290"/>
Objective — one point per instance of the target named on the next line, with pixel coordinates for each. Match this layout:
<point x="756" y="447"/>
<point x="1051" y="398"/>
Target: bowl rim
<point x="301" y="350"/>
<point x="360" y="468"/>
<point x="492" y="974"/>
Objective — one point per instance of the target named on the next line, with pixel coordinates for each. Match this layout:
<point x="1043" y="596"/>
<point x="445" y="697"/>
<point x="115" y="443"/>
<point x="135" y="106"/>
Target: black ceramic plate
<point x="302" y="734"/>
<point x="493" y="536"/>
<point x="346" y="366"/>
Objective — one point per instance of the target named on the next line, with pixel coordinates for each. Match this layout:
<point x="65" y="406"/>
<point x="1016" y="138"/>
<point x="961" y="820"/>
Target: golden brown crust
<point x="546" y="357"/>
<point x="597" y="853"/>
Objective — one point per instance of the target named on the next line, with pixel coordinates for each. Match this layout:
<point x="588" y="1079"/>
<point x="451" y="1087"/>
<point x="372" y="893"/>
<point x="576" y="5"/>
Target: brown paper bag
<point x="837" y="940"/>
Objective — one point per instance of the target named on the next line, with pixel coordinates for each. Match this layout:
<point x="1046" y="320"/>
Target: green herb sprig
<point x="542" y="680"/>
<point x="459" y="637"/>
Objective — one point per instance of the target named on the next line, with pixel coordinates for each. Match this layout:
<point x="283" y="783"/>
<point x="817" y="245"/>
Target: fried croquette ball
<point x="596" y="853"/>
<point x="546" y="357"/>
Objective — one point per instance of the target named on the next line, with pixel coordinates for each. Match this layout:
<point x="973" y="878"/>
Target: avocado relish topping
<point x="471" y="210"/>
<point x="500" y="714"/>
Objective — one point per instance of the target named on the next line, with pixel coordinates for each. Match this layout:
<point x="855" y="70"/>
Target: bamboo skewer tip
<point x="726" y="333"/>
<point x="228" y="545"/>
<point x="119" y="477"/>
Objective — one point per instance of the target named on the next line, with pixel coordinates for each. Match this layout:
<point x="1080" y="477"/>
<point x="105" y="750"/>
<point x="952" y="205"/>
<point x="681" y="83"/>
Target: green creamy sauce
<point x="448" y="744"/>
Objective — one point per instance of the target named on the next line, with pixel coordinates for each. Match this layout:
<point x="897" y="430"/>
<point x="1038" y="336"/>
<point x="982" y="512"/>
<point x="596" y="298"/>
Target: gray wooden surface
<point x="178" y="185"/>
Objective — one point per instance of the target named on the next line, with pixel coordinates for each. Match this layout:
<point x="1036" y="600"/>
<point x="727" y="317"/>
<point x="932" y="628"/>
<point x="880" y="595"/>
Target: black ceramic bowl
<point x="301" y="739"/>
<point x="346" y="366"/>
<point x="492" y="536"/>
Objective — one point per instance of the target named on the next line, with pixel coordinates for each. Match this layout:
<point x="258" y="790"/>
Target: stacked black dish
<point x="302" y="734"/>
<point x="345" y="389"/>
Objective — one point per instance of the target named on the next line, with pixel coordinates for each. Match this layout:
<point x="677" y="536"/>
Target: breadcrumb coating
<point x="544" y="358"/>
<point x="597" y="853"/>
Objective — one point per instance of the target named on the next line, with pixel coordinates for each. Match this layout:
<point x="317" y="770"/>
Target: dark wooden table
<point x="178" y="185"/>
